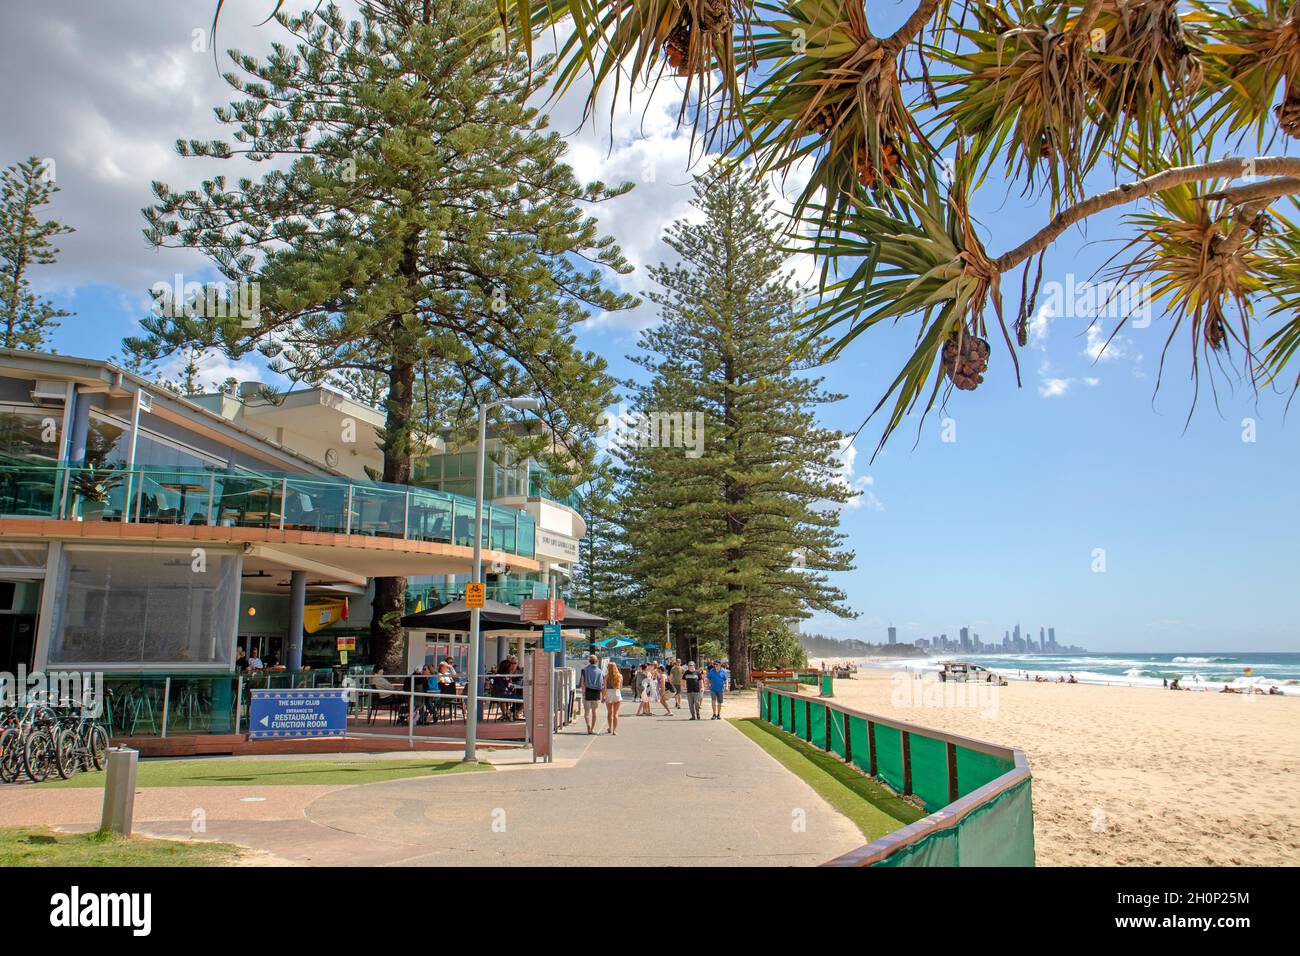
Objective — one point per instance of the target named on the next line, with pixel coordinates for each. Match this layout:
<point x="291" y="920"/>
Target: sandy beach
<point x="1127" y="775"/>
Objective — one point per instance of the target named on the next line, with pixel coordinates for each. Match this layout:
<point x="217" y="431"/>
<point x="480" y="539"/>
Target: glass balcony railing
<point x="258" y="500"/>
<point x="429" y="596"/>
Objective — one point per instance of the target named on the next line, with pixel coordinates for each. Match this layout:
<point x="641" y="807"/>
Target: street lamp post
<point x="668" y="629"/>
<point x="471" y="691"/>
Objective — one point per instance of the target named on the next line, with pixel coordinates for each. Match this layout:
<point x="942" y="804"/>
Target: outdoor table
<point x="182" y="489"/>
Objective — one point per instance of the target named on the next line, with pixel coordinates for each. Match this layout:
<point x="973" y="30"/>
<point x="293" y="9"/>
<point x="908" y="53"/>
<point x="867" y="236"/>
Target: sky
<point x="1081" y="499"/>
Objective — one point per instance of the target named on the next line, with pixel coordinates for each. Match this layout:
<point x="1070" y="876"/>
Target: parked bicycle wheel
<point x="99" y="747"/>
<point x="10" y="756"/>
<point x="38" y="755"/>
<point x="67" y="756"/>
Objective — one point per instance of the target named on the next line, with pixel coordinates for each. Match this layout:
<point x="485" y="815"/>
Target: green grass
<point x="873" y="809"/>
<point x="39" y="846"/>
<point x="243" y="773"/>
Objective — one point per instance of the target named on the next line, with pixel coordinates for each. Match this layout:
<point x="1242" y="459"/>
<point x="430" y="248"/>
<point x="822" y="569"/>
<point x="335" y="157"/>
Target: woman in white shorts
<point x="613" y="696"/>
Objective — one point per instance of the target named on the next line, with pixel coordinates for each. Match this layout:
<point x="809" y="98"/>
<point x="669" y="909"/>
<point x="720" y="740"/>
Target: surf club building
<point x="151" y="536"/>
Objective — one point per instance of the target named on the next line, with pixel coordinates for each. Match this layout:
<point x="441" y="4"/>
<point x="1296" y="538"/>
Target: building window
<point x="144" y="607"/>
<point x="25" y="433"/>
<point x="109" y="442"/>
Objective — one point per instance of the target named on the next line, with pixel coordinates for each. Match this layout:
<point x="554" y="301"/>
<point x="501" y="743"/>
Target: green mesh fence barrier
<point x="998" y="833"/>
<point x="819" y="726"/>
<point x="889" y="756"/>
<point x="837" y="733"/>
<point x="801" y="719"/>
<point x="861" y="752"/>
<point x="929" y="770"/>
<point x="974" y="769"/>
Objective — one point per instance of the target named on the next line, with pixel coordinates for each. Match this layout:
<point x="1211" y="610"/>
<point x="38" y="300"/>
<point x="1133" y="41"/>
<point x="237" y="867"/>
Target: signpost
<point x="551" y="639"/>
<point x="538" y="704"/>
<point x="302" y="712"/>
<point x="542" y="612"/>
<point x="474" y="594"/>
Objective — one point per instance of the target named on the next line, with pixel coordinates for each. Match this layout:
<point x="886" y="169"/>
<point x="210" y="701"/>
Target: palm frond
<point x="922" y="260"/>
<point x="1250" y="51"/>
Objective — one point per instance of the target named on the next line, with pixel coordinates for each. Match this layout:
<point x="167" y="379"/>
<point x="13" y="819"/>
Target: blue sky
<point x="1000" y="526"/>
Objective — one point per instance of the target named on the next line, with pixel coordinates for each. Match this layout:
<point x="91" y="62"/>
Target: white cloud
<point x="1054" y="387"/>
<point x="1057" y="387"/>
<point x="863" y="484"/>
<point x="1038" y="326"/>
<point x="1103" y="348"/>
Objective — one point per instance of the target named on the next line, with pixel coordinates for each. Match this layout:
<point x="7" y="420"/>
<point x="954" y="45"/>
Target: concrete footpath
<point x="664" y="791"/>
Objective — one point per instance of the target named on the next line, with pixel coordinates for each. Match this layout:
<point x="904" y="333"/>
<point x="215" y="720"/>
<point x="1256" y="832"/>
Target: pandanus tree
<point x="1179" y="113"/>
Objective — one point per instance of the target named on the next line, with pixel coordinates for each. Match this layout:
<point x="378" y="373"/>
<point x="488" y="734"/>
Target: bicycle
<point x="81" y="744"/>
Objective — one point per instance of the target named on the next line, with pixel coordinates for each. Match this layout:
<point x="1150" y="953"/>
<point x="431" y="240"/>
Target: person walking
<point x="677" y="682"/>
<point x="694" y="682"/>
<point x="613" y="697"/>
<point x="665" y="690"/>
<point x="638" y="685"/>
<point x="593" y="684"/>
<point x="717" y="680"/>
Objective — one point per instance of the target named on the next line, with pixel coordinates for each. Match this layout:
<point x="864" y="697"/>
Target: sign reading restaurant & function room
<point x="304" y="712"/>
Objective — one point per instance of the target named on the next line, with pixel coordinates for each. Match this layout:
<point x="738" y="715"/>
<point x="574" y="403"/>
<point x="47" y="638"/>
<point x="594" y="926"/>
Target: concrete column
<point x="297" y="600"/>
<point x="80" y="428"/>
<point x="503" y="649"/>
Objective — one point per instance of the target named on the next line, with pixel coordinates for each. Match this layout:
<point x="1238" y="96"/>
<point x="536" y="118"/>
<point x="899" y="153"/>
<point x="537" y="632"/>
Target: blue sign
<point x="551" y="639"/>
<point x="308" y="712"/>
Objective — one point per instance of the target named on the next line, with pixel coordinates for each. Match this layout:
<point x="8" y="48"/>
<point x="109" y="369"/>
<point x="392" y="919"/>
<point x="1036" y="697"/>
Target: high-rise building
<point x="1051" y="638"/>
<point x="964" y="637"/>
<point x="893" y="634"/>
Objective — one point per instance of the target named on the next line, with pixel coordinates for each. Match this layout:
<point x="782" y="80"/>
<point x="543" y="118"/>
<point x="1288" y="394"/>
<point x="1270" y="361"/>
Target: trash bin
<point x="828" y="685"/>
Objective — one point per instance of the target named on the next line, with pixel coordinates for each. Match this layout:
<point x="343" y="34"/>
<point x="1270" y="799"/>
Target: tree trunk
<point x="389" y="604"/>
<point x="738" y="644"/>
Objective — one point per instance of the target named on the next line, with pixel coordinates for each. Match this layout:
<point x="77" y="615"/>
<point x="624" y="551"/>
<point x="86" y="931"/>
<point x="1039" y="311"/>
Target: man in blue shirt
<point x="592" y="681"/>
<point x="717" y="678"/>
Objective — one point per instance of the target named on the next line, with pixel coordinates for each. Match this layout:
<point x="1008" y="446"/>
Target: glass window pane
<point x="145" y="605"/>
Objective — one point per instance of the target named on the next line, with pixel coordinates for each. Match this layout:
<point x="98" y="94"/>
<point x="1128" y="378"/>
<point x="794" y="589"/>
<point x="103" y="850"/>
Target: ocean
<point x="1199" y="671"/>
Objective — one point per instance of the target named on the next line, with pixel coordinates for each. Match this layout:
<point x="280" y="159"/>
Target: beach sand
<point x="1128" y="775"/>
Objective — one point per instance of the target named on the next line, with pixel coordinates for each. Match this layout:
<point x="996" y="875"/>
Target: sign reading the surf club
<point x="304" y="712"/>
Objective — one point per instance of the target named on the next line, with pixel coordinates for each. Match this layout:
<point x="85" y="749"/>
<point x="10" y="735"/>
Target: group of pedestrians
<point x="652" y="683"/>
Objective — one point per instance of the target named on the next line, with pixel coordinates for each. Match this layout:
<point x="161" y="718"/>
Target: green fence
<point x="978" y="794"/>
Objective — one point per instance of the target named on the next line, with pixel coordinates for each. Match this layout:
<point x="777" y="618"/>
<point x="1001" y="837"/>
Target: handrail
<point x="945" y="817"/>
<point x="253" y="499"/>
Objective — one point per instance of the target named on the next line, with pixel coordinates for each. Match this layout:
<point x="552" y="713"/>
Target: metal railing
<point x="433" y="595"/>
<point x="163" y="705"/>
<point x="259" y="500"/>
<point x="968" y="784"/>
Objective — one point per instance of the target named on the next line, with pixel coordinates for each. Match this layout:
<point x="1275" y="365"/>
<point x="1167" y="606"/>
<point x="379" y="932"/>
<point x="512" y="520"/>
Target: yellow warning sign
<point x="474" y="592"/>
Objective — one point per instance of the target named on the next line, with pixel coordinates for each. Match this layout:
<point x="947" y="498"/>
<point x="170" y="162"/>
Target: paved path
<point x="664" y="791"/>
